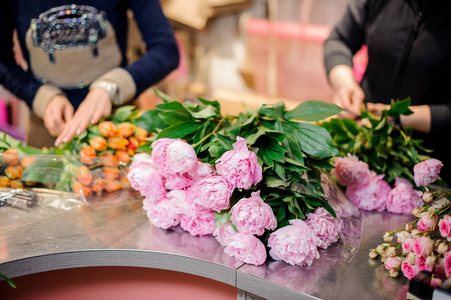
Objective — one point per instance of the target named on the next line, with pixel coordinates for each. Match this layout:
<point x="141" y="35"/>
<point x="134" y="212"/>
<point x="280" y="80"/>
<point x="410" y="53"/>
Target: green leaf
<point x="123" y="113"/>
<point x="273" y="182"/>
<point x="29" y="150"/>
<point x="179" y="130"/>
<point x="280" y="171"/>
<point x="312" y="111"/>
<point x="215" y="104"/>
<point x="10" y="282"/>
<point x="150" y="121"/>
<point x="272" y="110"/>
<point x="222" y="218"/>
<point x="174" y="116"/>
<point x="174" y="105"/>
<point x="163" y="96"/>
<point x="207" y="112"/>
<point x="400" y="108"/>
<point x="144" y="147"/>
<point x="225" y="141"/>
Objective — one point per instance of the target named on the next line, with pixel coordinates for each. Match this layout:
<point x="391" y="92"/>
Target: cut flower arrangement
<point x="252" y="180"/>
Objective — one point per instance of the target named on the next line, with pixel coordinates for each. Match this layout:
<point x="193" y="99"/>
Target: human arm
<point x="346" y="38"/>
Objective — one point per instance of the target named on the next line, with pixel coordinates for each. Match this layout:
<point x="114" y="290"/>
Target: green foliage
<point x="292" y="152"/>
<point x="387" y="149"/>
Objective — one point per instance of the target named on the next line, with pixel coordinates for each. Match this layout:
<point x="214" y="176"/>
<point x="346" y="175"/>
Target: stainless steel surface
<point x="42" y="240"/>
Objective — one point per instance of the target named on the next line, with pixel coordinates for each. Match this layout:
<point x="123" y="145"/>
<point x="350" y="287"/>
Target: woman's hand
<point x="96" y="105"/>
<point x="58" y="112"/>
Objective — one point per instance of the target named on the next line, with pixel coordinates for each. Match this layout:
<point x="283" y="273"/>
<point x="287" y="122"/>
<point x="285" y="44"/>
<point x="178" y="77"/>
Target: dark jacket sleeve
<point x="162" y="54"/>
<point x="347" y="37"/>
<point x="12" y="76"/>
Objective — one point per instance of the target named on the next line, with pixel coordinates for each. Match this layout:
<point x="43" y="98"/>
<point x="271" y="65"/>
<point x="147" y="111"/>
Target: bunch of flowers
<point x="369" y="191"/>
<point x="423" y="245"/>
<point x="253" y="180"/>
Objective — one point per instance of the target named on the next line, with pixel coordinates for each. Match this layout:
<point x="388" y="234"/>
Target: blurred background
<point x="234" y="51"/>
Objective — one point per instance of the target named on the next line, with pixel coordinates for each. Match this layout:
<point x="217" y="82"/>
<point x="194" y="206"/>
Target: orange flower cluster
<point x="14" y="170"/>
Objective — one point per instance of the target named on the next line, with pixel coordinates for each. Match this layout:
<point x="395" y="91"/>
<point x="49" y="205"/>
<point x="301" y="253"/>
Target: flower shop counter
<point x="41" y="240"/>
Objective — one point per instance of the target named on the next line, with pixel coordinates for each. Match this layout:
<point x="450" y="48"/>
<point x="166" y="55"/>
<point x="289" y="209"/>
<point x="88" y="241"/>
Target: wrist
<point x="109" y="86"/>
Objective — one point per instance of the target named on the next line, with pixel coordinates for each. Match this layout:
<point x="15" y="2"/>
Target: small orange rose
<point x="97" y="186"/>
<point x="125" y="183"/>
<point x="79" y="188"/>
<point x="141" y="134"/>
<point x="14" y="172"/>
<point x="25" y="162"/>
<point x="110" y="173"/>
<point x="107" y="129"/>
<point x="108" y="159"/>
<point x="126" y="129"/>
<point x="10" y="157"/>
<point x="16" y="184"/>
<point x="88" y="154"/>
<point x="122" y="156"/>
<point x="112" y="185"/>
<point x="83" y="175"/>
<point x="117" y="143"/>
<point x="98" y="143"/>
<point x="4" y="181"/>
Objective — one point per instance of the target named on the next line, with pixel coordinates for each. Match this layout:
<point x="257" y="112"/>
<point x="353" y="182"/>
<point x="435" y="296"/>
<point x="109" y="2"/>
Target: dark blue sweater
<point x="161" y="56"/>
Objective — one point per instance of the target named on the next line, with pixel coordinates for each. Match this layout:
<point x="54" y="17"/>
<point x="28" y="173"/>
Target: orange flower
<point x="87" y="154"/>
<point x="126" y="129"/>
<point x="14" y="172"/>
<point x="16" y="184"/>
<point x="122" y="156"/>
<point x="107" y="129"/>
<point x="25" y="162"/>
<point x="141" y="134"/>
<point x="98" y="143"/>
<point x="112" y="185"/>
<point x="108" y="159"/>
<point x="125" y="183"/>
<point x="117" y="143"/>
<point x="83" y="175"/>
<point x="79" y="188"/>
<point x="110" y="173"/>
<point x="4" y="181"/>
<point x="97" y="186"/>
<point x="10" y="157"/>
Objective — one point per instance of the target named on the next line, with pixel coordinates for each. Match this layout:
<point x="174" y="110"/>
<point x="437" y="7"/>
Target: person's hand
<point x="377" y="108"/>
<point x="96" y="105"/>
<point x="58" y="112"/>
<point x="349" y="96"/>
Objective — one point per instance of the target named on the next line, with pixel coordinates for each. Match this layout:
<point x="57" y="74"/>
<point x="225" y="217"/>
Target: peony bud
<point x="417" y="212"/>
<point x="16" y="184"/>
<point x="117" y="143"/>
<point x="10" y="157"/>
<point x="373" y="254"/>
<point x="416" y="234"/>
<point x="427" y="197"/>
<point x="431" y="261"/>
<point x="388" y="237"/>
<point x="391" y="252"/>
<point x="112" y="185"/>
<point x="393" y="273"/>
<point x="384" y="258"/>
<point x="107" y="129"/>
<point x="98" y="143"/>
<point x="380" y="249"/>
<point x="411" y="258"/>
<point x="110" y="173"/>
<point x="122" y="156"/>
<point x="442" y="248"/>
<point x="409" y="227"/>
<point x="14" y="171"/>
<point x="25" y="162"/>
<point x="83" y="175"/>
<point x="126" y="129"/>
<point x="87" y="155"/>
<point x="402" y="236"/>
<point x="4" y="181"/>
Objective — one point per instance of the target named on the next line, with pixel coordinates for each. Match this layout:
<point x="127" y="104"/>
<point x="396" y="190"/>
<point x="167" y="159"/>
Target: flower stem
<point x="210" y="134"/>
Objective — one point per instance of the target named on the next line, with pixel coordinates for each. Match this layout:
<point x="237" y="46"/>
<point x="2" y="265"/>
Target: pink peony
<point x="177" y="181"/>
<point x="422" y="265"/>
<point x="408" y="269"/>
<point x="252" y="215"/>
<point x="393" y="263"/>
<point x="181" y="157"/>
<point x="295" y="244"/>
<point x="240" y="166"/>
<point x="403" y="198"/>
<point x="350" y="171"/>
<point x="427" y="171"/>
<point x="196" y="219"/>
<point x="427" y="224"/>
<point x="145" y="178"/>
<point x="223" y="233"/>
<point x="324" y="225"/>
<point x="160" y="156"/>
<point x="201" y="170"/>
<point x="423" y="246"/>
<point x="143" y="157"/>
<point x="163" y="214"/>
<point x="407" y="245"/>
<point x="213" y="192"/>
<point x="371" y="196"/>
<point x="445" y="227"/>
<point x="247" y="248"/>
<point x="447" y="260"/>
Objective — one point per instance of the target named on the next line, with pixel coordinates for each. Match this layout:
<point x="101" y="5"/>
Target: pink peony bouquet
<point x="179" y="189"/>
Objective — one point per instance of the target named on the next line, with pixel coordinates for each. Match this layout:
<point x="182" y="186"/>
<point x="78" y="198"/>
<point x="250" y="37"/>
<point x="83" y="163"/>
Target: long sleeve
<point x="347" y="37"/>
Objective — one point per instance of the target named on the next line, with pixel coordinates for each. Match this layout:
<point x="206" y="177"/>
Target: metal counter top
<point x="43" y="240"/>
